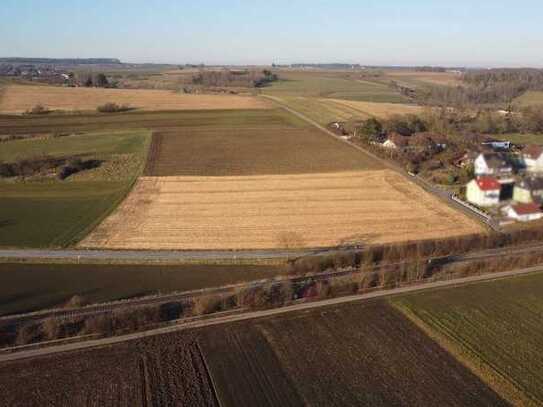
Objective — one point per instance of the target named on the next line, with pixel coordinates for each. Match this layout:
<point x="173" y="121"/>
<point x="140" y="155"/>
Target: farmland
<point x="44" y="211"/>
<point x="260" y="150"/>
<point x="159" y="371"/>
<point x="19" y="99"/>
<point x="495" y="328"/>
<point x="31" y="287"/>
<point x="93" y="122"/>
<point x="307" y="210"/>
<point x="418" y="78"/>
<point x="332" y="84"/>
<point x="292" y="359"/>
<point x="325" y="111"/>
<point x="531" y="98"/>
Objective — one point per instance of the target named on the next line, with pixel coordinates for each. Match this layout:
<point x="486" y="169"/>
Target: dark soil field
<point x="496" y="327"/>
<point x="251" y="151"/>
<point x="364" y="354"/>
<point x="160" y="371"/>
<point x="31" y="287"/>
<point x="368" y="354"/>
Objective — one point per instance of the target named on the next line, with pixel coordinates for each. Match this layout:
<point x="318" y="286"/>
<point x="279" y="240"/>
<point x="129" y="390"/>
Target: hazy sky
<point x="386" y="32"/>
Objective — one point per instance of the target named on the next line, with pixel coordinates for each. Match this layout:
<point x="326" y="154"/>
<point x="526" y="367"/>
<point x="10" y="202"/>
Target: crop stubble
<point x="258" y="212"/>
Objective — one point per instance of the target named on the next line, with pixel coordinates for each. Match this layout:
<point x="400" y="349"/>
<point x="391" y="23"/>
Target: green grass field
<point x="495" y="327"/>
<point x="531" y="98"/>
<point x="335" y="85"/>
<point x="31" y="287"/>
<point x="47" y="212"/>
<point x="518" y="138"/>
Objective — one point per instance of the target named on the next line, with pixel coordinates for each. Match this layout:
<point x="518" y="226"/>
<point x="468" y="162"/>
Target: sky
<point x="474" y="33"/>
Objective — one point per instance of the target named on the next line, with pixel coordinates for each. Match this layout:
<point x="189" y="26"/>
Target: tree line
<point x="480" y="87"/>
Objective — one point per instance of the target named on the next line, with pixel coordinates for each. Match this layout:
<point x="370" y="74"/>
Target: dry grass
<point x="382" y="110"/>
<point x="18" y="99"/>
<point x="257" y="212"/>
<point x="432" y="78"/>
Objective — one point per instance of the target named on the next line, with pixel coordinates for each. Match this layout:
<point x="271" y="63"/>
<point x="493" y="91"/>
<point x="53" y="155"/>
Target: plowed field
<point x="251" y="151"/>
<point x="253" y="212"/>
<point x="352" y="355"/>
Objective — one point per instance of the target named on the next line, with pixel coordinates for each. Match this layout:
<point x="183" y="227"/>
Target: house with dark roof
<point x="493" y="164"/>
<point x="529" y="190"/>
<point x="532" y="156"/>
<point x="523" y="212"/>
<point x="484" y="191"/>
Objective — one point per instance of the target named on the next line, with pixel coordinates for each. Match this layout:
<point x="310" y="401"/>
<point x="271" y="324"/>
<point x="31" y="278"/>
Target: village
<point x="509" y="185"/>
<point x="494" y="177"/>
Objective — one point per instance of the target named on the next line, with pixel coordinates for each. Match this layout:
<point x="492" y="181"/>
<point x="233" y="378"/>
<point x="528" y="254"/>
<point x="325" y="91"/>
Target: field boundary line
<point x="271" y="312"/>
<point x="209" y="375"/>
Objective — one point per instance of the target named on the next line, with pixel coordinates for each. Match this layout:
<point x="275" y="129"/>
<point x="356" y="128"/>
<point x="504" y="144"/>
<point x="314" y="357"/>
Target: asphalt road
<point x="261" y="314"/>
<point x="151" y="255"/>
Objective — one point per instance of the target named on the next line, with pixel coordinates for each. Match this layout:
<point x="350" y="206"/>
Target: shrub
<point x="38" y="109"/>
<point x="113" y="108"/>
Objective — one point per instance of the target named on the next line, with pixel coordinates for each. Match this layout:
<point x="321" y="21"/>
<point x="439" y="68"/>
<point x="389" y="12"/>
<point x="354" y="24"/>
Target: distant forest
<point x="62" y="61"/>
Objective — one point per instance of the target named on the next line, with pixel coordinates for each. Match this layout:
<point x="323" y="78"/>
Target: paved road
<point x="153" y="255"/>
<point x="261" y="314"/>
<point x="427" y="186"/>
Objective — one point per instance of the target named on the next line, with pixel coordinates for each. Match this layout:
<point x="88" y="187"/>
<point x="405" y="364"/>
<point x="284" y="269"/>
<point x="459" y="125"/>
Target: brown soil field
<point x="355" y="354"/>
<point x="160" y="371"/>
<point x="18" y="99"/>
<point x="256" y="212"/>
<point x="251" y="151"/>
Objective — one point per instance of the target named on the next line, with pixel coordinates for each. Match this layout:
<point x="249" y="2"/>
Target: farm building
<point x="523" y="212"/>
<point x="484" y="191"/>
<point x="494" y="164"/>
<point x="396" y="141"/>
<point x="533" y="158"/>
<point x="529" y="190"/>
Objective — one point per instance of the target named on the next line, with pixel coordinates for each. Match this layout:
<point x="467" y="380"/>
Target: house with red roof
<point x="523" y="212"/>
<point x="484" y="191"/>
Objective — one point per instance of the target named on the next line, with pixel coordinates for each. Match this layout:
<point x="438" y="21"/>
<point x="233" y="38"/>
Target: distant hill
<point x="62" y="61"/>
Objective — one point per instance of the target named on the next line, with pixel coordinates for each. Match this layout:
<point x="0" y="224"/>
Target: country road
<point x="152" y="255"/>
<point x="263" y="314"/>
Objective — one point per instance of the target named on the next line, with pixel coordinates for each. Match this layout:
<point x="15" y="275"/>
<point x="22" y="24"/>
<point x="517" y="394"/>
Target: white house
<point x="483" y="191"/>
<point x="523" y="212"/>
<point x="533" y="158"/>
<point x="494" y="164"/>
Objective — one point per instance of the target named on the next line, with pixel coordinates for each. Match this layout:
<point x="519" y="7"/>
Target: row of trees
<point x="226" y="78"/>
<point x="494" y="86"/>
<point x="448" y="121"/>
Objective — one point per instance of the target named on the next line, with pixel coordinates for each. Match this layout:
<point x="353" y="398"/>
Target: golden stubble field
<point x="18" y="99"/>
<point x="276" y="211"/>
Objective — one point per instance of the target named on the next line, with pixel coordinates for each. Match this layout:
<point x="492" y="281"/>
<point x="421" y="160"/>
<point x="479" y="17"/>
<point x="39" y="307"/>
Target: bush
<point x="113" y="108"/>
<point x="38" y="109"/>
